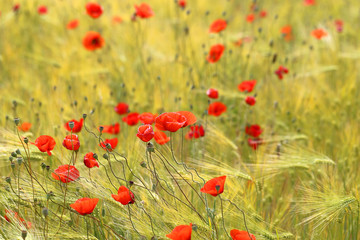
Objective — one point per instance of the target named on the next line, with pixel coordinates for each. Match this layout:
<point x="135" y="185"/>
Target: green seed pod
<point x="150" y="147"/>
<point x="71" y="125"/>
<point x="106" y="156"/>
<point x="84" y="116"/>
<point x="18" y="151"/>
<point x="13" y="154"/>
<point x="23" y="234"/>
<point x="12" y="165"/>
<point x="19" y="160"/>
<point x="26" y="140"/>
<point x="17" y="121"/>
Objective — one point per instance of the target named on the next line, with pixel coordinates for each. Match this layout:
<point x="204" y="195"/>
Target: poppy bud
<point x="17" y="121"/>
<point x="18" y="151"/>
<point x="143" y="164"/>
<point x="13" y="154"/>
<point x="45" y="212"/>
<point x="49" y="195"/>
<point x="150" y="147"/>
<point x="12" y="165"/>
<point x="84" y="116"/>
<point x="71" y="125"/>
<point x="10" y="158"/>
<point x="95" y="156"/>
<point x="106" y="156"/>
<point x="8" y="180"/>
<point x="48" y="168"/>
<point x="26" y="140"/>
<point x="23" y="234"/>
<point x="194" y="227"/>
<point x="19" y="160"/>
<point x="131" y="183"/>
<point x="43" y="166"/>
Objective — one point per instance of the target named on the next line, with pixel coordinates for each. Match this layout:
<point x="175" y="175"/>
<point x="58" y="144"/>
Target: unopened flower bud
<point x="19" y="160"/>
<point x="143" y="164"/>
<point x="8" y="180"/>
<point x="45" y="212"/>
<point x="43" y="165"/>
<point x="95" y="156"/>
<point x="11" y="158"/>
<point x="26" y="140"/>
<point x="13" y="154"/>
<point x="12" y="165"/>
<point x="18" y="151"/>
<point x="48" y="167"/>
<point x="131" y="183"/>
<point x="194" y="227"/>
<point x="84" y="116"/>
<point x="106" y="156"/>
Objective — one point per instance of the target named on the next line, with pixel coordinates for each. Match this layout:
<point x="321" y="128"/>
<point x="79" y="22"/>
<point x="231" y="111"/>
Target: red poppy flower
<point x="85" y="206"/>
<point x="72" y="24"/>
<point x="124" y="196"/>
<point x="144" y="11"/>
<point x="195" y="132"/>
<point x="281" y="70"/>
<point x="45" y="143"/>
<point x="93" y="41"/>
<point x="131" y="119"/>
<point x="212" y="93"/>
<point x="66" y="173"/>
<point x="71" y="142"/>
<point x="319" y="33"/>
<point x="190" y="118"/>
<point x="286" y="31"/>
<point x="122" y="108"/>
<point x="25" y="126"/>
<point x="9" y="215"/>
<point x="94" y="10"/>
<point x="113" y="143"/>
<point x="161" y="138"/>
<point x="339" y="25"/>
<point x="214" y="186"/>
<point x="309" y="2"/>
<point x="182" y="3"/>
<point x="111" y="129"/>
<point x="16" y="7"/>
<point x="250" y="100"/>
<point x="263" y="14"/>
<point x="241" y="235"/>
<point x="250" y="18"/>
<point x="253" y="130"/>
<point x="170" y="121"/>
<point x="117" y="19"/>
<point x="247" y="86"/>
<point x="216" y="109"/>
<point x="217" y="26"/>
<point x="90" y="161"/>
<point x="77" y="125"/>
<point x="145" y="132"/>
<point x="216" y="51"/>
<point x="181" y="232"/>
<point x="147" y="118"/>
<point x="42" y="10"/>
<point x="254" y="143"/>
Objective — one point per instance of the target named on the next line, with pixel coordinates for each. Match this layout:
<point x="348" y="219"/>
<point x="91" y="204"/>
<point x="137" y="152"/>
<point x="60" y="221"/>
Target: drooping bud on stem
<point x="17" y="121"/>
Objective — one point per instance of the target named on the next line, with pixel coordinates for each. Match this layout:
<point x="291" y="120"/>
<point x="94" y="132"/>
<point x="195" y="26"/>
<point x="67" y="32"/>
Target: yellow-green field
<point x="301" y="181"/>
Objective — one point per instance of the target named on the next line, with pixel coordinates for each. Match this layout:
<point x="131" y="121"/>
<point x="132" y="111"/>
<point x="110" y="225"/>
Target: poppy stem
<point x="222" y="217"/>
